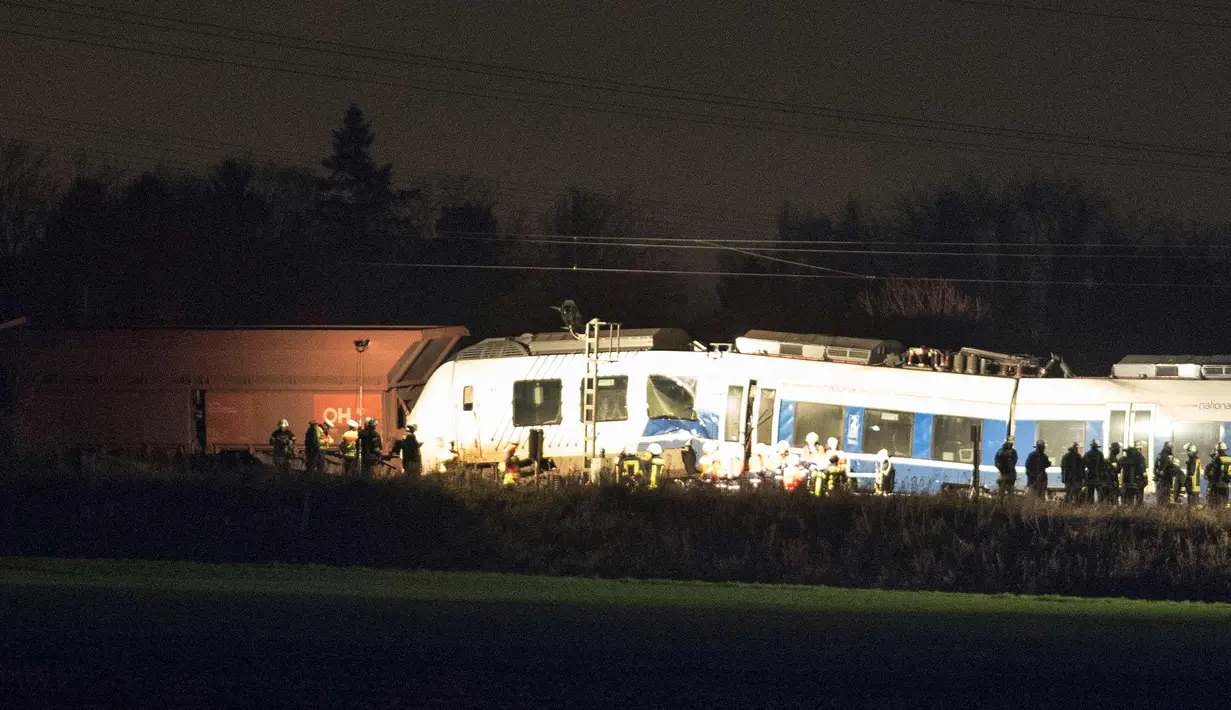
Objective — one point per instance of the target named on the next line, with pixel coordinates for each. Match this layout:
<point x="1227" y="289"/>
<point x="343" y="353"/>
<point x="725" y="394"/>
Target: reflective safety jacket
<point x="657" y="464"/>
<point x="350" y="444"/>
<point x="1193" y="469"/>
<point x="1220" y="473"/>
<point x="835" y="474"/>
<point x="282" y="440"/>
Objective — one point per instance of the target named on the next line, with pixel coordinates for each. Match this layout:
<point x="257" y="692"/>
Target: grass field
<point x="108" y="633"/>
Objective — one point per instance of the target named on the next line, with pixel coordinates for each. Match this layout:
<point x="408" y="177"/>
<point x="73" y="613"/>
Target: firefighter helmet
<point x="655" y="449"/>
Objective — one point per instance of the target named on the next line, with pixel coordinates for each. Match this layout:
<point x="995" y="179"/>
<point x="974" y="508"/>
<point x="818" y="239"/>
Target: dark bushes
<point x="905" y="543"/>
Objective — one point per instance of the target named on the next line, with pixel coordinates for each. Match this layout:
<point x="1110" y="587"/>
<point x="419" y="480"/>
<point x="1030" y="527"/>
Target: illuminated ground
<point x="138" y="634"/>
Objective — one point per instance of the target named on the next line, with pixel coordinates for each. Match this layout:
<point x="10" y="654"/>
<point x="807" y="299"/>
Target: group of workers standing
<point x="821" y="469"/>
<point x="1120" y="476"/>
<point x="360" y="448"/>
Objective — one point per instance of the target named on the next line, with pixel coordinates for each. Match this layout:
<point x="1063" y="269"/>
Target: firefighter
<point x="1187" y="484"/>
<point x="831" y="447"/>
<point x="1006" y="464"/>
<point x="349" y="448"/>
<point x="812" y="444"/>
<point x="1219" y="477"/>
<point x="323" y="442"/>
<point x="1175" y="472"/>
<point x="407" y="448"/>
<point x="370" y="447"/>
<point x="818" y="480"/>
<point x="885" y="474"/>
<point x="836" y="477"/>
<point x="1095" y="464"/>
<point x="1165" y="474"/>
<point x="311" y="446"/>
<point x="1037" y="464"/>
<point x="657" y="464"/>
<point x="1073" y="473"/>
<point x="1133" y="474"/>
<point x="628" y="468"/>
<point x="1163" y="460"/>
<point x="1109" y="484"/>
<point x="283" y="443"/>
<point x="509" y="466"/>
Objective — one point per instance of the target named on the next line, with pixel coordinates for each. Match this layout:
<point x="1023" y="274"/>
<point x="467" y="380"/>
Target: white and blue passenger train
<point x="660" y="387"/>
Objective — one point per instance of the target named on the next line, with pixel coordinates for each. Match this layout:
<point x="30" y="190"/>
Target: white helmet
<point x="352" y="423"/>
<point x="832" y="442"/>
<point x="784" y="445"/>
<point x="284" y="423"/>
<point x="812" y="438"/>
<point x="792" y="460"/>
<point x="883" y="454"/>
<point x="655" y="449"/>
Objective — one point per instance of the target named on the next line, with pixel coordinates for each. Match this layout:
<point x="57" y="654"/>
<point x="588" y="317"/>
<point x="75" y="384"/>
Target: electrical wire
<point x="1090" y="13"/>
<point x="578" y="81"/>
<point x="899" y="121"/>
<point x="812" y="276"/>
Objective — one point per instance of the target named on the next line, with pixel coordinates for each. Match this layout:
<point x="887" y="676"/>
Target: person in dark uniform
<point x="1218" y="475"/>
<point x="1006" y="464"/>
<point x="1072" y="473"/>
<point x="1037" y="464"/>
<point x="1187" y="484"/>
<point x="408" y="449"/>
<point x="1109" y="490"/>
<point x="1095" y="464"/>
<point x="371" y="448"/>
<point x="1133" y="474"/>
<point x="283" y="443"/>
<point x="1165" y="474"/>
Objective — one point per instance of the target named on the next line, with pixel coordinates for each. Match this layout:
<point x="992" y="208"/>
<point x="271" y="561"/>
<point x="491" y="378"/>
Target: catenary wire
<point x="650" y="112"/>
<point x="579" y="81"/>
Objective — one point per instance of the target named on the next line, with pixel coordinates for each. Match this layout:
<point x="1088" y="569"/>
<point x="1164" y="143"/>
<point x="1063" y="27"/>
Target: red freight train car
<point x="207" y="389"/>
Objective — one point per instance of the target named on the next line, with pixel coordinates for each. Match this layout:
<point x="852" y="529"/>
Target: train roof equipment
<point x="834" y="348"/>
<point x="562" y="342"/>
<point x="1183" y="367"/>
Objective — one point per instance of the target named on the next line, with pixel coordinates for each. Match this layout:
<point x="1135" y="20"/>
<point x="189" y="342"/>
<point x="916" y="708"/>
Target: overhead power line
<point x="811" y="276"/>
<point x="1077" y="12"/>
<point x="658" y="92"/>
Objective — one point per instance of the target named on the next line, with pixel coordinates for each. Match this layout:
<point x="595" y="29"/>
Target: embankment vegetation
<point x="933" y="543"/>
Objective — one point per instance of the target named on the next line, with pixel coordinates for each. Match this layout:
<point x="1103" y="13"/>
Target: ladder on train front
<point x="602" y="341"/>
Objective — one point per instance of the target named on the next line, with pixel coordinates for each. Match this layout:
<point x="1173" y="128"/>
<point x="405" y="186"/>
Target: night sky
<point x="1156" y="83"/>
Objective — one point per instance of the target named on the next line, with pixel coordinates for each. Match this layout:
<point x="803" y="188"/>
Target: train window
<point x="951" y="438"/>
<point x="671" y="397"/>
<point x="824" y="419"/>
<point x="1204" y="435"/>
<point x="735" y="412"/>
<point x="468" y="398"/>
<point x="536" y="402"/>
<point x="1058" y="435"/>
<point x="611" y="398"/>
<point x="892" y="431"/>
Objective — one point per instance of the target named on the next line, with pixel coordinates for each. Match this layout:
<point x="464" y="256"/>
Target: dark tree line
<point x="259" y="243"/>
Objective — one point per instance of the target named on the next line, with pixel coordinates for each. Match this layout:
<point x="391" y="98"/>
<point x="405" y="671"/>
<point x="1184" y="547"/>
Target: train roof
<point x="836" y="348"/>
<point x="1197" y="367"/>
<point x="564" y="342"/>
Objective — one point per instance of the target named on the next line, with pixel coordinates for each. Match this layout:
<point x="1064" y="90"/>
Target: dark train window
<point x="468" y="398"/>
<point x="824" y="419"/>
<point x="611" y="399"/>
<point x="536" y="402"/>
<point x="892" y="431"/>
<point x="1058" y="435"/>
<point x="951" y="439"/>
<point x="671" y="397"/>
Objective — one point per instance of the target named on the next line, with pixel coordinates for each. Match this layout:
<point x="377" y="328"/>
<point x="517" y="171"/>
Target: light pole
<point x="360" y="346"/>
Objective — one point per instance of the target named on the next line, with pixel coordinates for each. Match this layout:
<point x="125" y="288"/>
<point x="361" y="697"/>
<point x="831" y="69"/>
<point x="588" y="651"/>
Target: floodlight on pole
<point x="360" y="347"/>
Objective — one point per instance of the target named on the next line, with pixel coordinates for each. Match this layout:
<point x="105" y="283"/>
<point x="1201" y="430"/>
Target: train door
<point x="763" y="428"/>
<point x="468" y="439"/>
<point x="1131" y="422"/>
